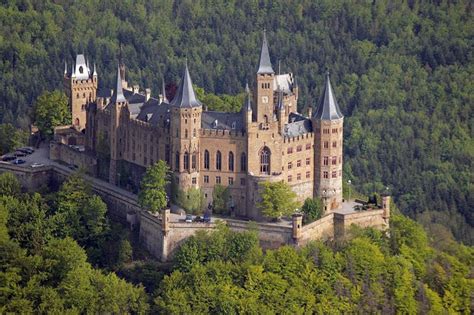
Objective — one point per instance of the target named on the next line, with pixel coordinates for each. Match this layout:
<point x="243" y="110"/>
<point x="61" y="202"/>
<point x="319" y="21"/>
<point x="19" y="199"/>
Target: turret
<point x="265" y="81"/>
<point x="328" y="126"/>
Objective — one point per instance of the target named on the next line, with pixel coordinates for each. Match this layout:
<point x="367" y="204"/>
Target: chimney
<point x="135" y="88"/>
<point x="148" y="94"/>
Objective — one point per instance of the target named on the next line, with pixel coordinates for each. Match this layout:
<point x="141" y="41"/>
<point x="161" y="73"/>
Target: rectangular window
<point x="289" y="150"/>
<point x="326" y="131"/>
<point x="242" y="181"/>
<point x="334" y="160"/>
<point x="206" y="179"/>
<point x="194" y="180"/>
<point x="326" y="145"/>
<point x="308" y="174"/>
<point x="231" y="181"/>
<point x="299" y="148"/>
<point x="290" y="178"/>
<point x="326" y="160"/>
<point x="334" y="174"/>
<point x="308" y="161"/>
<point x="290" y="165"/>
<point x="334" y="144"/>
<point x="326" y="175"/>
<point x="298" y="177"/>
<point x="218" y="179"/>
<point x="308" y="146"/>
<point x="298" y="163"/>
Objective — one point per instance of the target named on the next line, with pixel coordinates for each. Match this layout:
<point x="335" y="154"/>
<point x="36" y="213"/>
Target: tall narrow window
<point x="167" y="153"/>
<point x="176" y="162"/>
<point x="185" y="133"/>
<point x="231" y="161"/>
<point x="194" y="133"/>
<point x="186" y="161"/>
<point x="193" y="161"/>
<point x="326" y="160"/>
<point x="243" y="162"/>
<point x="218" y="160"/>
<point x="265" y="160"/>
<point x="206" y="160"/>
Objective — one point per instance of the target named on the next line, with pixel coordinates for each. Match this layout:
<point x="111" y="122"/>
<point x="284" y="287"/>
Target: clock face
<point x="264" y="99"/>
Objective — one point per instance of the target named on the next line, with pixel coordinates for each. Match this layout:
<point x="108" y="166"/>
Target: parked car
<point x="73" y="167"/>
<point x="19" y="161"/>
<point x="207" y="217"/>
<point x="198" y="219"/>
<point x="34" y="165"/>
<point x="26" y="150"/>
<point x="189" y="218"/>
<point x="19" y="153"/>
<point x="8" y="157"/>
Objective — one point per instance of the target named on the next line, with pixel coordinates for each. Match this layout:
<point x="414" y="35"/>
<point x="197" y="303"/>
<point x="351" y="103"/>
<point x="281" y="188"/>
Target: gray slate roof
<point x="185" y="97"/>
<point x="265" y="65"/>
<point x="224" y="121"/>
<point x="297" y="126"/>
<point x="118" y="94"/>
<point x="328" y="108"/>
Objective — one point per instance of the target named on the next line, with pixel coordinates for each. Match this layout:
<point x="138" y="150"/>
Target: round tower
<point x="328" y="131"/>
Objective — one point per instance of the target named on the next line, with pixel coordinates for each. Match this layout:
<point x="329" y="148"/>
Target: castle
<point x="268" y="140"/>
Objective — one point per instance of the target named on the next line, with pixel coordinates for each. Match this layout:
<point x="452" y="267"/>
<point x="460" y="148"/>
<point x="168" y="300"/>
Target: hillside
<point x="402" y="74"/>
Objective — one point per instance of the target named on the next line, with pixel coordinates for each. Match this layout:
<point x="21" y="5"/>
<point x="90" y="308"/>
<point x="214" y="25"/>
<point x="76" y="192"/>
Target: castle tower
<point x="265" y="81"/>
<point x="81" y="88"/>
<point x="186" y="111"/>
<point x="118" y="105"/>
<point x="328" y="126"/>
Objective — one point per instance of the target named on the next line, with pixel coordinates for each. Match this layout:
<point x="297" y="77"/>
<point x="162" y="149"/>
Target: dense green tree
<point x="51" y="109"/>
<point x="152" y="195"/>
<point x="192" y="200"/>
<point x="220" y="199"/>
<point x="11" y="138"/>
<point x="277" y="200"/>
<point x="312" y="209"/>
<point x="9" y="184"/>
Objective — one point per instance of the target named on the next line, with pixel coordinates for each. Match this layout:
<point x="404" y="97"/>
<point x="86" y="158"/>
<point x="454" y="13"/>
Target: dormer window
<point x="81" y="70"/>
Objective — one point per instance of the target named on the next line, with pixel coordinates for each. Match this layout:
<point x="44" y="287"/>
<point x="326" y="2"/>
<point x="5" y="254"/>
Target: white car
<point x="34" y="165"/>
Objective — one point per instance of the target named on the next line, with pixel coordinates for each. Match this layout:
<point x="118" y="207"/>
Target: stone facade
<point x="267" y="141"/>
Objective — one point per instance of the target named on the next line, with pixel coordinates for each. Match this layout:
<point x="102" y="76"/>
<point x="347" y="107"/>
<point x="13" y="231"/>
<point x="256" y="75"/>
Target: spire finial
<point x="118" y="96"/>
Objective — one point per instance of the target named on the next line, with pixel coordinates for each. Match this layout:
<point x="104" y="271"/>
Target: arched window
<point x="81" y="70"/>
<point x="206" y="160"/>
<point x="231" y="161"/>
<point x="265" y="119"/>
<point x="265" y="160"/>
<point x="76" y="122"/>
<point x="193" y="161"/>
<point x="218" y="160"/>
<point x="243" y="162"/>
<point x="176" y="166"/>
<point x="186" y="160"/>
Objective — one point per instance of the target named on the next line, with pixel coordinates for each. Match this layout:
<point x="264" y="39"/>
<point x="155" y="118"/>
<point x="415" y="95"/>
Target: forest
<point x="60" y="254"/>
<point x="402" y="72"/>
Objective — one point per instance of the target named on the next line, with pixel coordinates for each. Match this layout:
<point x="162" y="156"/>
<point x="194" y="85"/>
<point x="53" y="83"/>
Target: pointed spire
<point x="73" y="70"/>
<point x="163" y="91"/>
<point x="280" y="105"/>
<point x="185" y="97"/>
<point x="65" y="67"/>
<point x="95" y="70"/>
<point x="328" y="108"/>
<point x="248" y="103"/>
<point x="118" y="96"/>
<point x="265" y="66"/>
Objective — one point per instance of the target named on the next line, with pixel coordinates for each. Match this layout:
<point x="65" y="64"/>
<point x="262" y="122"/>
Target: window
<point x="334" y="160"/>
<point x="194" y="180"/>
<point x="194" y="133"/>
<point x="299" y="148"/>
<point x="265" y="160"/>
<point x="177" y="132"/>
<point x="326" y="175"/>
<point x="218" y="160"/>
<point x="326" y="160"/>
<point x="334" y="130"/>
<point x="167" y="154"/>
<point x="289" y="150"/>
<point x="218" y="179"/>
<point x="193" y="161"/>
<point x="206" y="179"/>
<point x="206" y="160"/>
<point x="231" y="181"/>
<point x="298" y="177"/>
<point x="176" y="162"/>
<point x="334" y="174"/>
<point x="243" y="162"/>
<point x="290" y="178"/>
<point x="298" y="163"/>
<point x="185" y="133"/>
<point x="308" y="146"/>
<point x="231" y="161"/>
<point x="308" y="174"/>
<point x="290" y="165"/>
<point x="186" y="160"/>
<point x="242" y="181"/>
<point x="308" y="161"/>
<point x="326" y="145"/>
<point x="334" y="144"/>
<point x="326" y="131"/>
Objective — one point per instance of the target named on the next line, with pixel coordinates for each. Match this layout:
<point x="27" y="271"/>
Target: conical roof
<point x="118" y="96"/>
<point x="248" y="104"/>
<point x="163" y="92"/>
<point x="265" y="66"/>
<point x="185" y="96"/>
<point x="328" y="108"/>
